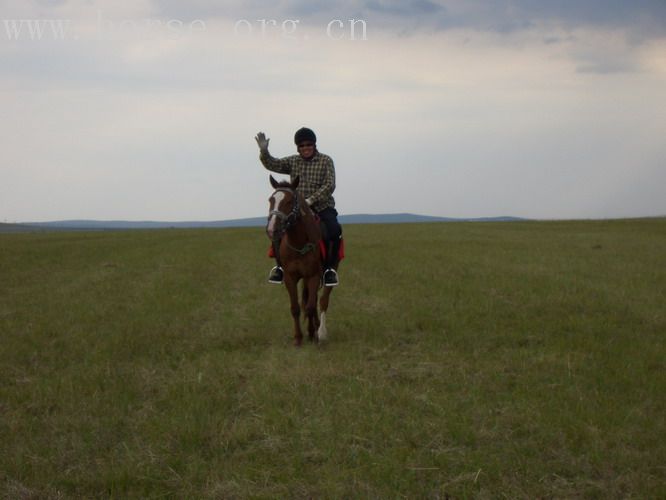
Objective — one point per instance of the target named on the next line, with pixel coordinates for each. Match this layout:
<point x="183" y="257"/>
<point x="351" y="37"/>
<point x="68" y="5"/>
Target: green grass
<point x="474" y="360"/>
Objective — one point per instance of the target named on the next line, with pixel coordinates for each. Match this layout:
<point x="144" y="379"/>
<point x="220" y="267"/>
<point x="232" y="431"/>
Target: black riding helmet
<point x="304" y="134"/>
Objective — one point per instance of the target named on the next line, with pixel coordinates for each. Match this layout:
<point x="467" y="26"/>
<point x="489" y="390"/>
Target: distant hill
<point x="15" y="228"/>
<point x="411" y="218"/>
<point x="247" y="222"/>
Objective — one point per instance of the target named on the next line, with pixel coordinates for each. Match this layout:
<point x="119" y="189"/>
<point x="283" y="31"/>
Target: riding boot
<point x="276" y="275"/>
<point x="332" y="257"/>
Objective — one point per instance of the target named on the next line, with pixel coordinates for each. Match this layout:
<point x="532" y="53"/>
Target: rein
<point x="307" y="248"/>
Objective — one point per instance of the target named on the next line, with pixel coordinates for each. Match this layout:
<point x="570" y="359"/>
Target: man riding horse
<point x="316" y="175"/>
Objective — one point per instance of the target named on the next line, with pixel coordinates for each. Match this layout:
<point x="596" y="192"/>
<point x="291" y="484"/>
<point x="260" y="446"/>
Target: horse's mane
<point x="284" y="184"/>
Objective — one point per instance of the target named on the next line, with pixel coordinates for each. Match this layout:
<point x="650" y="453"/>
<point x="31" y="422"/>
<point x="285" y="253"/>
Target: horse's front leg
<point x="292" y="288"/>
<point x="322" y="332"/>
<point x="311" y="286"/>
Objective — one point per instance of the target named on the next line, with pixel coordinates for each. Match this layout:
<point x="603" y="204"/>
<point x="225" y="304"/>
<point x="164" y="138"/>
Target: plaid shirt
<point x="317" y="176"/>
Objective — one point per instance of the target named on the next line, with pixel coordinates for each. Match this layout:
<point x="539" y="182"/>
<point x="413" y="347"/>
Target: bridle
<point x="288" y="220"/>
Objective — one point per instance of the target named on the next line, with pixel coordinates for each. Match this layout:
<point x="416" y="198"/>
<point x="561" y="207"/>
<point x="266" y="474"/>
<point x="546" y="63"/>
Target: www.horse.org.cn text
<point x="102" y="27"/>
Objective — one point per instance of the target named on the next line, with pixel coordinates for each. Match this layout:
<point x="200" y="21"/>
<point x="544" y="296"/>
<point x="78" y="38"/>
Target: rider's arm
<point x="279" y="165"/>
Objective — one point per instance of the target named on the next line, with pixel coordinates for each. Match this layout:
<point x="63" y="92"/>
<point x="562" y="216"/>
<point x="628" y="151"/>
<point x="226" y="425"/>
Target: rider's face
<point x="306" y="150"/>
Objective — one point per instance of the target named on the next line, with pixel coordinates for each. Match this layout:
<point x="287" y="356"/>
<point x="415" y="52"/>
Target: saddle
<point x="322" y="244"/>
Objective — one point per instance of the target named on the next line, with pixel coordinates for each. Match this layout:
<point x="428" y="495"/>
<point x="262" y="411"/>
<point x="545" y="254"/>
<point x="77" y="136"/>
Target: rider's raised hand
<point x="262" y="141"/>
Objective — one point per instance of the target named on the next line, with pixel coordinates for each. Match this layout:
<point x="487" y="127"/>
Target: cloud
<point x="415" y="8"/>
<point x="640" y="19"/>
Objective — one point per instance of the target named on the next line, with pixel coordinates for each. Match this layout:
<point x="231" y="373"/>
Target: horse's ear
<point x="274" y="183"/>
<point x="294" y="184"/>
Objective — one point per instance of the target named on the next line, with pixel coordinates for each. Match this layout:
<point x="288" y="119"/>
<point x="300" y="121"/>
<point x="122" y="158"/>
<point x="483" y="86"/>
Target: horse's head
<point x="283" y="209"/>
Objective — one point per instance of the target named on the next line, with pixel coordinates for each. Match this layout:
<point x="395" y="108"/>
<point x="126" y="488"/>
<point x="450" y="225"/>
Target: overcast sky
<point x="148" y="110"/>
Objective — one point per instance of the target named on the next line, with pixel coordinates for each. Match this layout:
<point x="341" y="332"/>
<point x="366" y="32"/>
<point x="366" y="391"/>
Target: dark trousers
<point x="331" y="234"/>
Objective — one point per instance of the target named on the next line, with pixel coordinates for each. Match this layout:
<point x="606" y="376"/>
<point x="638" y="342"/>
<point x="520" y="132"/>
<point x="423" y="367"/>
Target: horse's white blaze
<point x="277" y="199"/>
<point x="322" y="333"/>
<point x="271" y="225"/>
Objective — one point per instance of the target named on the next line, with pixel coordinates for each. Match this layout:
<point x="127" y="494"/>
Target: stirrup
<point x="276" y="275"/>
<point x="331" y="277"/>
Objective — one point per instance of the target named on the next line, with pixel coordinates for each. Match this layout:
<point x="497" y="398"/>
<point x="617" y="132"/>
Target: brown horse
<point x="295" y="234"/>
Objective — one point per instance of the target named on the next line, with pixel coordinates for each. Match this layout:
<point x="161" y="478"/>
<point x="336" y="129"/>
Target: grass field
<point x="470" y="360"/>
